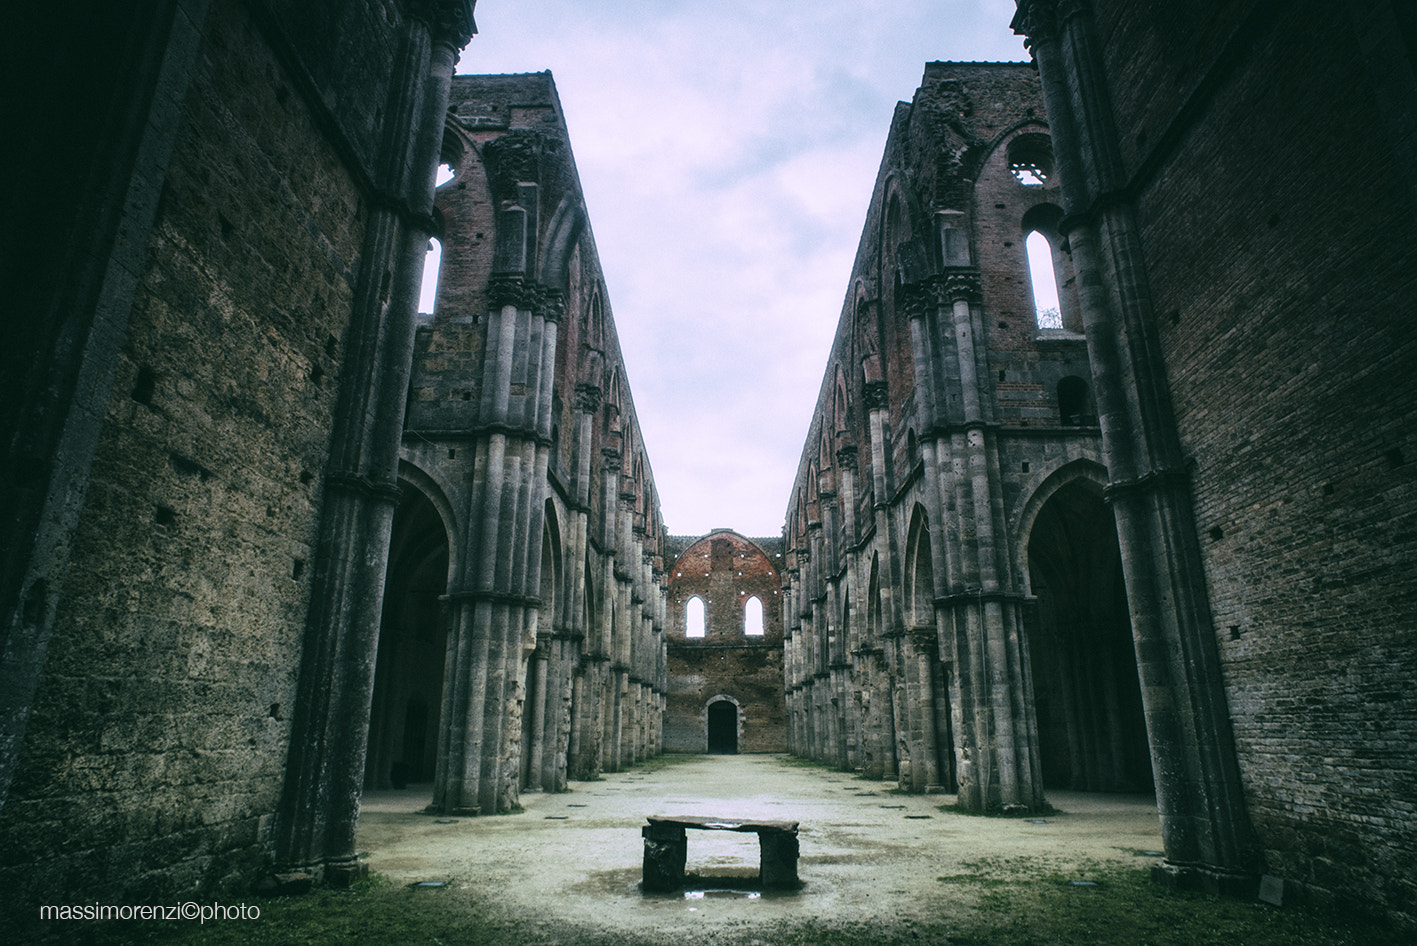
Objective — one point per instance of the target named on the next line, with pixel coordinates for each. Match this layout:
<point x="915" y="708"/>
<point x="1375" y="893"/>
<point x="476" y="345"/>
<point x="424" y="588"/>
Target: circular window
<point x="1031" y="159"/>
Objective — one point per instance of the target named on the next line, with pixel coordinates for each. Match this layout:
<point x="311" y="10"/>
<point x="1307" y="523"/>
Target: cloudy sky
<point x="727" y="149"/>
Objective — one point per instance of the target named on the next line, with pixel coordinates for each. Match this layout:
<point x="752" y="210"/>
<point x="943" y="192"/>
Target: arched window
<point x="1031" y="159"/>
<point x="694" y="617"/>
<point x="431" y="262"/>
<point x="753" y="617"/>
<point x="1045" y="283"/>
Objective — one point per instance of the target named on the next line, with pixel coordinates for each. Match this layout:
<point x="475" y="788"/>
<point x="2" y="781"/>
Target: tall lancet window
<point x="694" y="617"/>
<point x="1045" y="283"/>
<point x="428" y="295"/>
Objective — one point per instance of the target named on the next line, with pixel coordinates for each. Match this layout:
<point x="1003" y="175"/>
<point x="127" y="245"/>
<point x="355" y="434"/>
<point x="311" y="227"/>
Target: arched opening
<point x="753" y="617"/>
<point x="1091" y="732"/>
<point x="408" y="676"/>
<point x="432" y="261"/>
<point x="694" y="617"/>
<point x="539" y="685"/>
<point x="934" y="679"/>
<point x="722" y="727"/>
<point x="1031" y="159"/>
<point x="1044" y="281"/>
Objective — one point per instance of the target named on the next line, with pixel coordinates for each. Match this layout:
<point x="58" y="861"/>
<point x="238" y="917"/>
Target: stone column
<point x="877" y="398"/>
<point x="997" y="739"/>
<point x="1205" y="825"/>
<point x="319" y="807"/>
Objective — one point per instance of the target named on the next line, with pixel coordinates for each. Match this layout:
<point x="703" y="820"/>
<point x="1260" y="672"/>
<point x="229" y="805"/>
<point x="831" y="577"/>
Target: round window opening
<point x="1031" y="159"/>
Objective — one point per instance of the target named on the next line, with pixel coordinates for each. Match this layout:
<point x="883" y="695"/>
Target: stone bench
<point x="666" y="847"/>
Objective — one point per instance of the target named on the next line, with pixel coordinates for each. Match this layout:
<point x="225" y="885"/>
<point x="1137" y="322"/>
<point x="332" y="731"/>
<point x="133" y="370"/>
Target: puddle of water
<point x="723" y="895"/>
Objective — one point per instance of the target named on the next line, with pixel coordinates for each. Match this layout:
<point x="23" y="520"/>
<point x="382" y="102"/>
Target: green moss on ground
<point x="999" y="902"/>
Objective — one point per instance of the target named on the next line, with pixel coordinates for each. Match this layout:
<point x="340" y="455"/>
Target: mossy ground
<point x="999" y="904"/>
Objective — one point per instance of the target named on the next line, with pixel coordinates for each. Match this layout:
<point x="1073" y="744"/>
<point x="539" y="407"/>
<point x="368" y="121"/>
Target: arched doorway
<point x="541" y="704"/>
<point x="1091" y="731"/>
<point x="722" y="727"/>
<point x="408" y="676"/>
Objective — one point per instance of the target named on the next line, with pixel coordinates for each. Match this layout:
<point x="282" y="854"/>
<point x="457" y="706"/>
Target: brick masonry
<point x="724" y="570"/>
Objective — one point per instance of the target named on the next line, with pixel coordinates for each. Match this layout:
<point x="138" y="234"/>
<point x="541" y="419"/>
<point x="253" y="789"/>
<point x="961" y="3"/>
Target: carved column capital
<point x="506" y="290"/>
<point x="1035" y="21"/>
<point x="915" y="299"/>
<point x="587" y="398"/>
<point x="1040" y="20"/>
<point x="877" y="395"/>
<point x="551" y="304"/>
<point x="449" y="21"/>
<point x="846" y="455"/>
<point x="959" y="286"/>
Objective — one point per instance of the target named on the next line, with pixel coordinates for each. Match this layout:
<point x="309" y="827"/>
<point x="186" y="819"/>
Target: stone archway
<point x="408" y="676"/>
<point x="1091" y="730"/>
<point x="722" y="727"/>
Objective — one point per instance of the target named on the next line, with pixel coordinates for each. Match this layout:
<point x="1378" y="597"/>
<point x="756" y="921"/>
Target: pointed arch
<point x="919" y="570"/>
<point x="567" y="223"/>
<point x="1087" y="697"/>
<point x="551" y="564"/>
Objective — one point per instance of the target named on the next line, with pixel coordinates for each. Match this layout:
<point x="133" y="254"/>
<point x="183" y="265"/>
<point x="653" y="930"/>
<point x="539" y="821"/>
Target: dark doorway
<point x="1091" y="731"/>
<point x="408" y="677"/>
<point x="722" y="728"/>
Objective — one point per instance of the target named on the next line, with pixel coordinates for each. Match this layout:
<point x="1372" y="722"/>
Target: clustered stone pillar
<point x="996" y="739"/>
<point x="937" y="689"/>
<point x="589" y="683"/>
<point x="320" y="802"/>
<point x="495" y="601"/>
<point x="1206" y="830"/>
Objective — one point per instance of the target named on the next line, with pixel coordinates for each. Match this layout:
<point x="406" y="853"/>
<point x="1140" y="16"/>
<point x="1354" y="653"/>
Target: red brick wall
<point x="725" y="569"/>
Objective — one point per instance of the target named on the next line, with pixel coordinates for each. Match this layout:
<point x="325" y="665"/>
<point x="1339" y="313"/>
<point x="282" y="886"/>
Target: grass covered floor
<point x="999" y="904"/>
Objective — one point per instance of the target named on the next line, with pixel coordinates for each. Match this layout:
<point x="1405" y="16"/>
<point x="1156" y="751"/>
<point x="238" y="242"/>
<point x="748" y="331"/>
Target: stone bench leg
<point x="777" y="866"/>
<point x="666" y="849"/>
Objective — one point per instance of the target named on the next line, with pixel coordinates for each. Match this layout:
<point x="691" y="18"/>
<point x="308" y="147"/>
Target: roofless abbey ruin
<point x="273" y="537"/>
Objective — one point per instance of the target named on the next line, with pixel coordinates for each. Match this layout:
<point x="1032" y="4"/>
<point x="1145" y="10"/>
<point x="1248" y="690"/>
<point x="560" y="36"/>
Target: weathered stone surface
<point x="666" y="846"/>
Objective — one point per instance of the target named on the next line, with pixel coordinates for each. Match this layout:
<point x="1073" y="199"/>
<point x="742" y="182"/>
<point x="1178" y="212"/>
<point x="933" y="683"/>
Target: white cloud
<point x="727" y="152"/>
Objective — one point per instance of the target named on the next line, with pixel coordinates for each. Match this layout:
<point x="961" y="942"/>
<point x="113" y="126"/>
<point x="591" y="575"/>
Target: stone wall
<point x="1258" y="259"/>
<point x="522" y="428"/>
<point x="1280" y="252"/>
<point x="939" y="436"/>
<point x="154" y="743"/>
